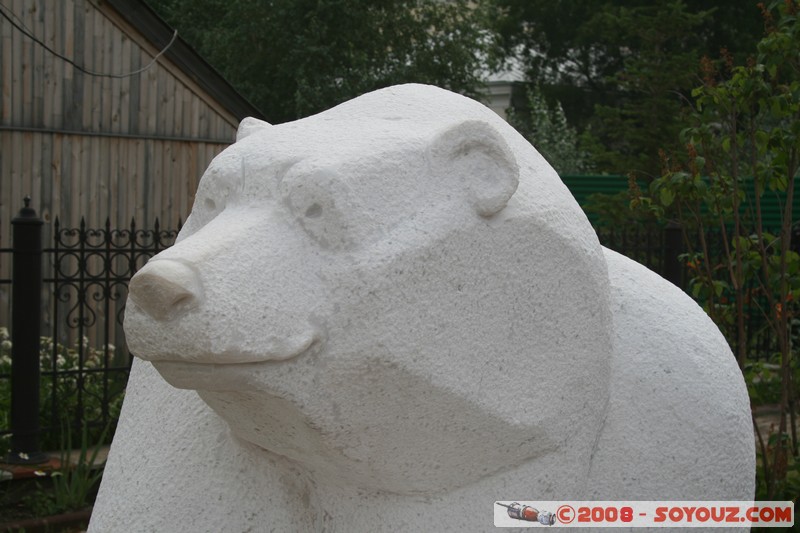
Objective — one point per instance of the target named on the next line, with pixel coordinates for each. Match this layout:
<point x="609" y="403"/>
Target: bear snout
<point x="165" y="289"/>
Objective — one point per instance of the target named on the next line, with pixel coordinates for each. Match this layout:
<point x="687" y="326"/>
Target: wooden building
<point x="91" y="126"/>
<point x="105" y="113"/>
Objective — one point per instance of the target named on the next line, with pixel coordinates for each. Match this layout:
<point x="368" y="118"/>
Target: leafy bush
<point x="746" y="129"/>
<point x="545" y="126"/>
<point x="71" y="394"/>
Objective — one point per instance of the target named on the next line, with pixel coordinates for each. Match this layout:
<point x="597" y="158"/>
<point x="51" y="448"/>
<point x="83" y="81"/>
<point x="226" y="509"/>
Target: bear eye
<point x="314" y="211"/>
<point x="315" y="203"/>
<point x="221" y="184"/>
<point x="210" y="202"/>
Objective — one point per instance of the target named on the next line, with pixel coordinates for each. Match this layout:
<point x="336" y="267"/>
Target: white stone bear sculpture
<point x="394" y="313"/>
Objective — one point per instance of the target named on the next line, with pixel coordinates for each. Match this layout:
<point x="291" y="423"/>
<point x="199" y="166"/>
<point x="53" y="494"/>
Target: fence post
<point x="673" y="247"/>
<point x="26" y="317"/>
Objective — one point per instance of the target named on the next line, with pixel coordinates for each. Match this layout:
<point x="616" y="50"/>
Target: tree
<point x="744" y="145"/>
<point x="623" y="68"/>
<point x="545" y="126"/>
<point x="292" y="58"/>
<point x="654" y="75"/>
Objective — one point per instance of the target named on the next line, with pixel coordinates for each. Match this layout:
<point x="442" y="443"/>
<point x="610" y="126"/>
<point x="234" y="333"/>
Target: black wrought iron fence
<point x="82" y="357"/>
<point x="657" y="249"/>
<point x="661" y="250"/>
<point x="81" y="360"/>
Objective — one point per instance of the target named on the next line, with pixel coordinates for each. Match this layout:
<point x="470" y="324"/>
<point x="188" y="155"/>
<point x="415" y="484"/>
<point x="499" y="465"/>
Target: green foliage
<point x="75" y="481"/>
<point x="70" y="387"/>
<point x="746" y="126"/>
<point x="71" y="487"/>
<point x="649" y="84"/>
<point x="632" y="64"/>
<point x="292" y="58"/>
<point x="40" y="502"/>
<point x="612" y="211"/>
<point x="545" y="126"/>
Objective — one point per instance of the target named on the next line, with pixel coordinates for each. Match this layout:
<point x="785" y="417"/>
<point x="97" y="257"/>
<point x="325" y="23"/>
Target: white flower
<point x="23" y="456"/>
<point x="3" y="332"/>
<point x="6" y="345"/>
<point x="39" y="473"/>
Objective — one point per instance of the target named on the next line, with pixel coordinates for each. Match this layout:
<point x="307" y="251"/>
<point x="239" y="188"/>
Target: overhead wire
<point x="25" y="31"/>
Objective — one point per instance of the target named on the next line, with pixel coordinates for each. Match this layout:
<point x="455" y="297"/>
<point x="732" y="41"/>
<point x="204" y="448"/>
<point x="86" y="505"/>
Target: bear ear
<point x="474" y="154"/>
<point x="250" y="125"/>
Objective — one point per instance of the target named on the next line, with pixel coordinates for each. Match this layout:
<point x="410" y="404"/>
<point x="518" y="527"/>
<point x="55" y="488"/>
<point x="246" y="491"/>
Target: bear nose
<point x="165" y="289"/>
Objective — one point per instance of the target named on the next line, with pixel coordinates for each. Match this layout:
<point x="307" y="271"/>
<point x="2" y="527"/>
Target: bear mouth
<point x="217" y="377"/>
<point x="228" y="371"/>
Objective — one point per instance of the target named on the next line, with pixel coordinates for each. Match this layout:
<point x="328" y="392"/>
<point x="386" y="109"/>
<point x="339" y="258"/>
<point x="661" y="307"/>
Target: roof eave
<point x="153" y="28"/>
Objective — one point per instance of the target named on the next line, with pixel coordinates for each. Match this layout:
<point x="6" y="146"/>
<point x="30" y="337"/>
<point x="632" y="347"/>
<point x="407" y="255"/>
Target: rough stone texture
<point x="678" y="424"/>
<point x="401" y="315"/>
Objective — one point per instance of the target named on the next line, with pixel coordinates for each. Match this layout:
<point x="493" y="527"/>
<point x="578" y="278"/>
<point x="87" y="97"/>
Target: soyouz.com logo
<point x="519" y="513"/>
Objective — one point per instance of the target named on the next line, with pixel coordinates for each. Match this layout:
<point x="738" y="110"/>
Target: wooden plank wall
<point x="91" y="146"/>
<point x="95" y="146"/>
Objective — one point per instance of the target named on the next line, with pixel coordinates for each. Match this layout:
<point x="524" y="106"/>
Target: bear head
<point x="397" y="294"/>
